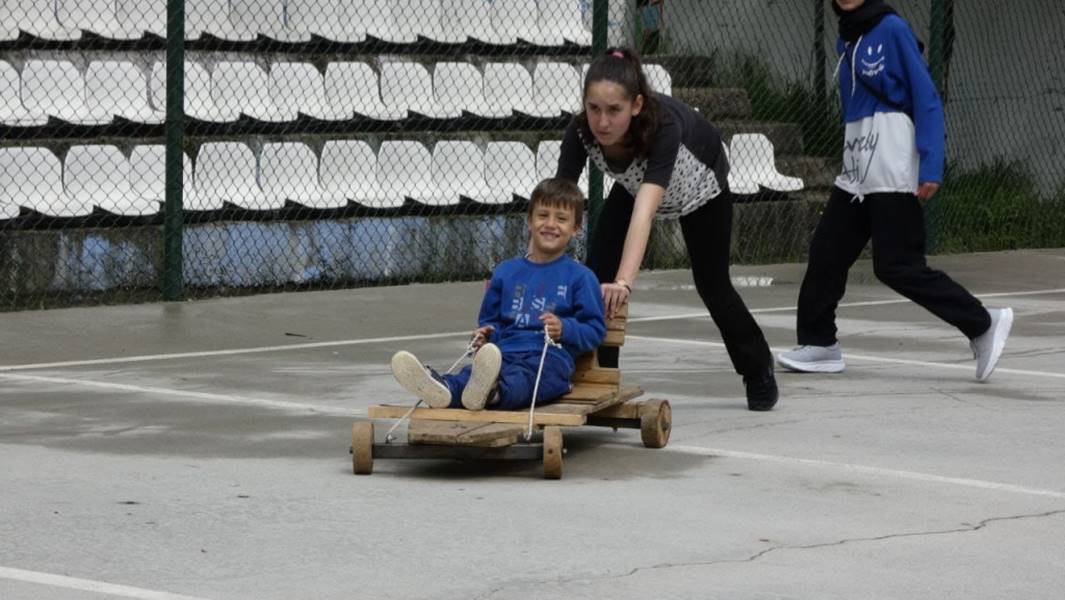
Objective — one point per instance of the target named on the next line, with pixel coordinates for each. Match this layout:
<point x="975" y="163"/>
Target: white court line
<point x="209" y="397"/>
<point x="870" y="358"/>
<point x="206" y="353"/>
<point x="867" y="470"/>
<point x="430" y="336"/>
<point x="88" y="585"/>
<point x="704" y="314"/>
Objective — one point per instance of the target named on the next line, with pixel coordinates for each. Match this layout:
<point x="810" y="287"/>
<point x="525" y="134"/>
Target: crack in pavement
<point x="965" y="528"/>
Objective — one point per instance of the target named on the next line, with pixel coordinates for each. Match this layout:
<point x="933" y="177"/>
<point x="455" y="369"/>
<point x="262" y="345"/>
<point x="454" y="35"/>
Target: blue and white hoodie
<point x="887" y="149"/>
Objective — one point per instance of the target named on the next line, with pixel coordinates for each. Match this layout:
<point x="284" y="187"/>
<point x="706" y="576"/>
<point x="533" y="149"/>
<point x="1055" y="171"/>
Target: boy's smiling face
<point x="551" y="228"/>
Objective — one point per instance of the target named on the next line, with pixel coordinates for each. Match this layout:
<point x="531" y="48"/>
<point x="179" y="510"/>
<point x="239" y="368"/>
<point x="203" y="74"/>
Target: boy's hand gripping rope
<point x="539" y="371"/>
<point x="389" y="438"/>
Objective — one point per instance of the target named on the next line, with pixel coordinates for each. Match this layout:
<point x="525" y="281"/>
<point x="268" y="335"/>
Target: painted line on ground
<point x="705" y="315"/>
<point x="88" y="585"/>
<point x="429" y="336"/>
<point x="202" y="396"/>
<point x="867" y="470"/>
<point x="866" y="357"/>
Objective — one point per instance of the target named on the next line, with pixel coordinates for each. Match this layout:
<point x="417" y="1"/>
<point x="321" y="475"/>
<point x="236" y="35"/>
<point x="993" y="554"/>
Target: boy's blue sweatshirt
<point x="889" y="147"/>
<point x="522" y="290"/>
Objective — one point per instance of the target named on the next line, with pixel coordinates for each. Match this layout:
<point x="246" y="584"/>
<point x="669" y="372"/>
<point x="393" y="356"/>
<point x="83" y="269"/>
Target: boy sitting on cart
<point x="545" y="290"/>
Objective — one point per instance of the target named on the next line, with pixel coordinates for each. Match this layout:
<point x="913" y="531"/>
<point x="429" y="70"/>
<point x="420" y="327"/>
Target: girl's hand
<point x="926" y="190"/>
<point x="614" y="295"/>
<point x="553" y="325"/>
<point x="481" y="335"/>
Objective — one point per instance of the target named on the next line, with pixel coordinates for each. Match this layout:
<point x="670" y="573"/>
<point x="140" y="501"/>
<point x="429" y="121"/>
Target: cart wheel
<point x="552" y="453"/>
<point x="362" y="447"/>
<point x="656" y="419"/>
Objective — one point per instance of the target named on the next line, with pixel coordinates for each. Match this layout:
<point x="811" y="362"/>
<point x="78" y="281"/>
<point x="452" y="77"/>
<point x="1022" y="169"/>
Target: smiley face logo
<point x="873" y="61"/>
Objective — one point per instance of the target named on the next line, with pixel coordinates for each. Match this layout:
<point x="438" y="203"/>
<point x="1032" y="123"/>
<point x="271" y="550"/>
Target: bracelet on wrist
<point x="623" y="284"/>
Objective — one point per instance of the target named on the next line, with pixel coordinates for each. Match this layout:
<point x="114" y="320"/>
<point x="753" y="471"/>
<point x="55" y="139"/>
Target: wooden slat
<point x="589" y="393"/>
<point x="460" y="433"/>
<point x="614" y="338"/>
<point x="597" y="375"/>
<point x="544" y="417"/>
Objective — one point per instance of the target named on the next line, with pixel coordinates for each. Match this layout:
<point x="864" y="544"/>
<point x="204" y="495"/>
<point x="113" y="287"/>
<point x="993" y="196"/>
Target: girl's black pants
<point x="707" y="234"/>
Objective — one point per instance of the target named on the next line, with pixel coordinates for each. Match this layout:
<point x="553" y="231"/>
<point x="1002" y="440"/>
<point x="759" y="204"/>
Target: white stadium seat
<point x="150" y="14"/>
<point x="12" y="111"/>
<point x="352" y="88"/>
<point x="408" y="85"/>
<point x="509" y="170"/>
<point x="329" y="19"/>
<point x="659" y="79"/>
<point x="547" y="154"/>
<point x="198" y="101"/>
<point x="299" y="87"/>
<point x="507" y="87"/>
<point x="561" y="20"/>
<point x="462" y="19"/>
<point x="228" y="172"/>
<point x="147" y="175"/>
<point x="411" y="18"/>
<point x="458" y="170"/>
<point x="516" y="19"/>
<point x="289" y="171"/>
<point x="99" y="176"/>
<point x="120" y="88"/>
<point x="99" y="17"/>
<point x="404" y="170"/>
<point x="266" y="17"/>
<point x="58" y="89"/>
<point x="752" y="164"/>
<point x="244" y="86"/>
<point x="32" y="177"/>
<point x="213" y="17"/>
<point x="460" y="86"/>
<point x="556" y="89"/>
<point x="348" y="171"/>
<point x="37" y="18"/>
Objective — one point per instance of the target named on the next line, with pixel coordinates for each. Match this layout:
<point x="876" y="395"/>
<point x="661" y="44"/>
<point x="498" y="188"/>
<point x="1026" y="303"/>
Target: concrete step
<point x="716" y="103"/>
<point x="817" y="172"/>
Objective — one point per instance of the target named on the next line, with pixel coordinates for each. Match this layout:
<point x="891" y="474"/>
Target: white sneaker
<point x="813" y="359"/>
<point x="420" y="380"/>
<point x="483" y="377"/>
<point x="987" y="348"/>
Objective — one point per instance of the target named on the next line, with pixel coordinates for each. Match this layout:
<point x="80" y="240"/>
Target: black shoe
<point x="762" y="391"/>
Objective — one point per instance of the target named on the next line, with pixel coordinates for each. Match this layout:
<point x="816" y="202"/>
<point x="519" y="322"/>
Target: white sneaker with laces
<point x="813" y="359"/>
<point x="417" y="379"/>
<point x="483" y="377"/>
<point x="987" y="348"/>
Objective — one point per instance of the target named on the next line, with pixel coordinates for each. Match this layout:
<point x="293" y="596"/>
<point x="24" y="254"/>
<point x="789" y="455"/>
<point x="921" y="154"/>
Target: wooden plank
<point x="597" y="375"/>
<point x="388" y="411"/>
<point x="625" y="410"/>
<point x="589" y="393"/>
<point x="614" y="338"/>
<point x="459" y="433"/>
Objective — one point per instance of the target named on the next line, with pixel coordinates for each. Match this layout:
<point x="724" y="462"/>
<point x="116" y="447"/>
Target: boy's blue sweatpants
<point x="517" y="376"/>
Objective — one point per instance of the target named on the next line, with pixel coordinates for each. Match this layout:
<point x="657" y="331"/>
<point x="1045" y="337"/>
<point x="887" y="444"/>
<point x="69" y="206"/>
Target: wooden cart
<point x="597" y="399"/>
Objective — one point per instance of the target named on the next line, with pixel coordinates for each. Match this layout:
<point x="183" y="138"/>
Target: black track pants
<point x="895" y="223"/>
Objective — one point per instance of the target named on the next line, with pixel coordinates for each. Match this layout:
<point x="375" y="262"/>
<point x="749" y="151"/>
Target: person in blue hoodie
<point x="893" y="160"/>
<point x="544" y="290"/>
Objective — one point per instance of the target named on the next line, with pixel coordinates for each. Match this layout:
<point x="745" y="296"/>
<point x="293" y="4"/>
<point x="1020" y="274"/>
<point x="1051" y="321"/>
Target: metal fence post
<point x="600" y="10"/>
<point x="173" y="217"/>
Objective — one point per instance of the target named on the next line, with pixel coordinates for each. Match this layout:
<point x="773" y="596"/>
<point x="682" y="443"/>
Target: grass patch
<point x="997" y="207"/>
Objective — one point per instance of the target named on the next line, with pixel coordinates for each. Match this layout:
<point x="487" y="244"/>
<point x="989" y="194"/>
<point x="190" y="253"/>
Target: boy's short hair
<point x="558" y="192"/>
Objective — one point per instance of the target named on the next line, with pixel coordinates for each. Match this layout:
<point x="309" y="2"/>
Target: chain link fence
<point x="320" y="144"/>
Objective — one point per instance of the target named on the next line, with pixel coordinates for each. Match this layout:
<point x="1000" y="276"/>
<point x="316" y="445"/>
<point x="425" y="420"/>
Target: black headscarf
<point x="858" y="22"/>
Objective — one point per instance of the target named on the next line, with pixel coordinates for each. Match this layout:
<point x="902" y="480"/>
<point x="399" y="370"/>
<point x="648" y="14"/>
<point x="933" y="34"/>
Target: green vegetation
<point x="773" y="99"/>
<point x="996" y="207"/>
